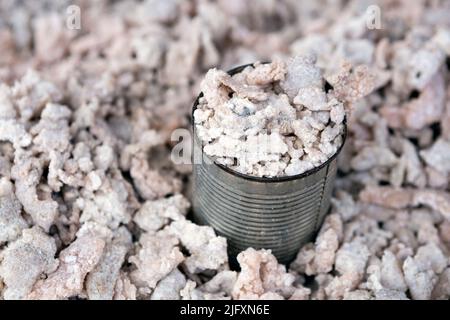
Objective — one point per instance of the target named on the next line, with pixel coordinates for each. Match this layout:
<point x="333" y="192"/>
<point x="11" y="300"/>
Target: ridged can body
<point x="281" y="213"/>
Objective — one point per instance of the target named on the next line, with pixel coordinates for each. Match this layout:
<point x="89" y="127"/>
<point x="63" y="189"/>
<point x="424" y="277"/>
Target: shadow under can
<point x="279" y="213"/>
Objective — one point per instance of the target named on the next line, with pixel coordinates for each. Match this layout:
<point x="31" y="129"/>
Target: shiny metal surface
<point x="280" y="214"/>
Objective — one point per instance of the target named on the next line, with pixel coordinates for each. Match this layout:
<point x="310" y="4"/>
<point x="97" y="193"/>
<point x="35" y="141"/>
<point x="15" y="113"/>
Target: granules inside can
<point x="279" y="213"/>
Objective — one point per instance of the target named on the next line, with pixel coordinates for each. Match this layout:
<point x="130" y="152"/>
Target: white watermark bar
<point x="182" y="152"/>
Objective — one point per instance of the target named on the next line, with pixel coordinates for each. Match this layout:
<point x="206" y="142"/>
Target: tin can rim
<point x="265" y="179"/>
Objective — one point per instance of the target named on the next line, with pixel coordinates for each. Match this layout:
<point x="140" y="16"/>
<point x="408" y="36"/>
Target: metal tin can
<point x="279" y="213"/>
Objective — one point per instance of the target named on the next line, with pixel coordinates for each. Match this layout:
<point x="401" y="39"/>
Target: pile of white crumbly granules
<point x="91" y="207"/>
<point x="274" y="119"/>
